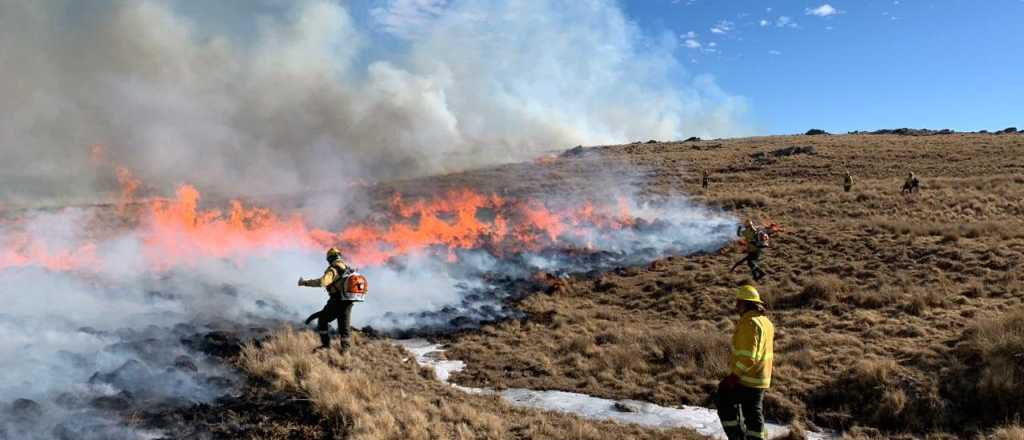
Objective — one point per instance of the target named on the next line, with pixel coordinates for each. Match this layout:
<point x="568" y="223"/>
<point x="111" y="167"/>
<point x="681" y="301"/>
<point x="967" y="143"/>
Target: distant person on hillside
<point x="705" y="179"/>
<point x="740" y="395"/>
<point x="911" y="185"/>
<point x="756" y="240"/>
<point x="847" y="182"/>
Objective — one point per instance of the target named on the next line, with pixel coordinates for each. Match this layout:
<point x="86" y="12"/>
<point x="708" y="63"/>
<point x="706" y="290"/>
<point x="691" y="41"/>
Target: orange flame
<point x="177" y="232"/>
<point x="23" y="250"/>
<point x="129" y="185"/>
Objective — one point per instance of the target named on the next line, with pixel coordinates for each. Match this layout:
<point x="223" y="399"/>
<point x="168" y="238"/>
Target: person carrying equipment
<point x="705" y="179"/>
<point x="911" y="185"/>
<point x="740" y="395"/>
<point x="756" y="240"/>
<point x="847" y="182"/>
<point x="345" y="287"/>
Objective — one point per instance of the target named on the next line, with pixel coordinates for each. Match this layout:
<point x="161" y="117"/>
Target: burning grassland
<point x="107" y="296"/>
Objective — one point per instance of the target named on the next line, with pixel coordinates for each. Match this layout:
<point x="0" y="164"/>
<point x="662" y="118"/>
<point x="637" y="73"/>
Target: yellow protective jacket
<point x="749" y="236"/>
<point x="335" y="270"/>
<point x="752" y="350"/>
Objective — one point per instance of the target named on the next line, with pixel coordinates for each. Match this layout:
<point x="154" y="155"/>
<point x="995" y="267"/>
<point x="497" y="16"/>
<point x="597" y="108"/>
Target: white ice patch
<point x="702" y="420"/>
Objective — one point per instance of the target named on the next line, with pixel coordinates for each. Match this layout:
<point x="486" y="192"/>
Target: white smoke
<point x="293" y="97"/>
<point x="115" y="326"/>
<point x="299" y="96"/>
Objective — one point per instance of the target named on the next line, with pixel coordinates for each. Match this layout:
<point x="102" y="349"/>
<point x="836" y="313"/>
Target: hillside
<point x="895" y="314"/>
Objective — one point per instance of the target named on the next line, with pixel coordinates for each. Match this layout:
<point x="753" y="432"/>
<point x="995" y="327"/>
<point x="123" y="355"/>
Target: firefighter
<point x="847" y="182"/>
<point x="911" y="185"/>
<point x="756" y="240"/>
<point x="740" y="395"/>
<point x="337" y="306"/>
<point x="705" y="179"/>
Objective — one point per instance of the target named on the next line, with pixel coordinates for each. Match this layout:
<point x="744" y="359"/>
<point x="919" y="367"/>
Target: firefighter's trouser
<point x="741" y="411"/>
<point x="752" y="258"/>
<point x="341" y="310"/>
<point x="847" y="188"/>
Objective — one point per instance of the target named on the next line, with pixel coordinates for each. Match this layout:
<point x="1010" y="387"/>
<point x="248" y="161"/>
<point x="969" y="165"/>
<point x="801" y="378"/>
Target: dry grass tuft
<point x="879" y="392"/>
<point x="706" y="351"/>
<point x="796" y="432"/>
<point x="820" y="290"/>
<point x="1006" y="433"/>
<point x="991" y="376"/>
<point x="379" y="392"/>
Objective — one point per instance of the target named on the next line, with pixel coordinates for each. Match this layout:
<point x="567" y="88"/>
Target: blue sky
<point x="854" y="65"/>
<point x="839" y="65"/>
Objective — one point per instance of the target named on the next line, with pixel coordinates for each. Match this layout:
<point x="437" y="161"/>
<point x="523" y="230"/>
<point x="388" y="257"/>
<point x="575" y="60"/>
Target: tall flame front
<point x="178" y="231"/>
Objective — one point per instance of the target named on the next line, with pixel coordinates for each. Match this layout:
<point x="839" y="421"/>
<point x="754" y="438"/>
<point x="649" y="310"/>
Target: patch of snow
<point x="702" y="420"/>
<point x="430" y="355"/>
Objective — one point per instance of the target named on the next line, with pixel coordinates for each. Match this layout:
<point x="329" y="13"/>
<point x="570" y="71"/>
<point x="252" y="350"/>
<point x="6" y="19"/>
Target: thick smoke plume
<point x="104" y="300"/>
<point x="268" y="97"/>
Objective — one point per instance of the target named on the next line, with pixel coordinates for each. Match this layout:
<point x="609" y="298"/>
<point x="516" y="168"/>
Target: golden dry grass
<point x="379" y="392"/>
<point x="869" y="289"/>
<point x="1007" y="433"/>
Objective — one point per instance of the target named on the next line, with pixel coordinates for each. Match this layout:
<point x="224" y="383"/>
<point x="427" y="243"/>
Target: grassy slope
<point x="875" y="296"/>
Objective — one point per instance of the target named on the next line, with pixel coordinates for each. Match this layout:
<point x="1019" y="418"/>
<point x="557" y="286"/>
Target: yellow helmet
<point x="333" y="253"/>
<point x="748" y="293"/>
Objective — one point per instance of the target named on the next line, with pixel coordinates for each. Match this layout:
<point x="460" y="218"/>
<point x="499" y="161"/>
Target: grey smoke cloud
<point x="288" y="97"/>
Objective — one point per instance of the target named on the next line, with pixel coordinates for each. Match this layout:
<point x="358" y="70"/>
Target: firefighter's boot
<point x="325" y="341"/>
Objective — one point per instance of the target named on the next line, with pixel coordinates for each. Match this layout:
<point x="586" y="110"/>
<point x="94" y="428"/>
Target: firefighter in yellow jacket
<point x="847" y="182"/>
<point x="741" y="394"/>
<point x="337" y="307"/>
<point x="756" y="240"/>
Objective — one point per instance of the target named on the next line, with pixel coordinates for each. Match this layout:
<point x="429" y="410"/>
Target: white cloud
<point x="824" y="10"/>
<point x="723" y="27"/>
<point x="690" y="35"/>
<point x="785" y="21"/>
<point x="774" y="52"/>
<point x="764" y="22"/>
<point x="692" y="44"/>
<point x="767" y="9"/>
<point x="712" y="44"/>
